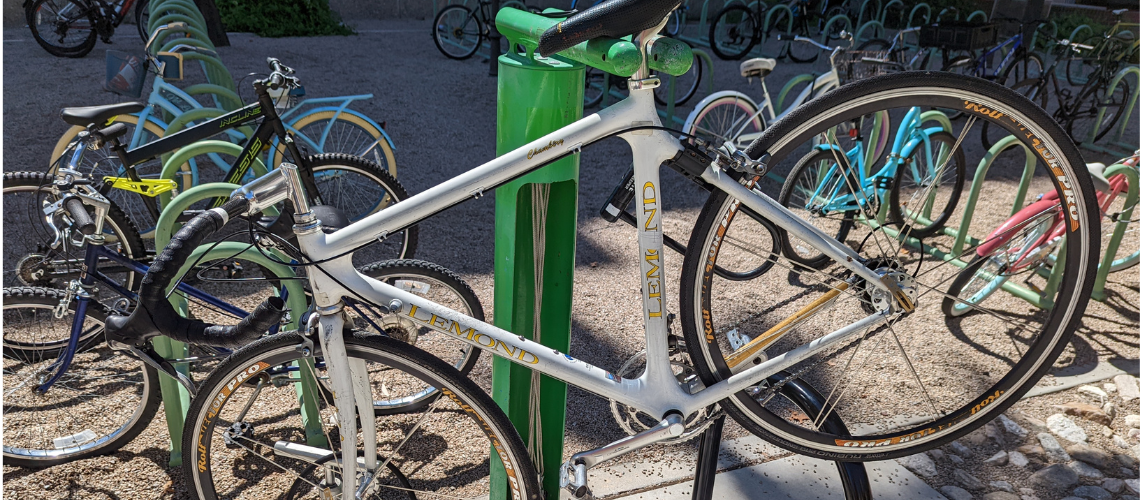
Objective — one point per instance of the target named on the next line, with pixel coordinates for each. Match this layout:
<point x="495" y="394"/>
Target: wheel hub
<point x="32" y="270"/>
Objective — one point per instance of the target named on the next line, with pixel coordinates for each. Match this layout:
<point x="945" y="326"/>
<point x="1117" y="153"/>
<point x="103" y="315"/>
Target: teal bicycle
<point x="916" y="189"/>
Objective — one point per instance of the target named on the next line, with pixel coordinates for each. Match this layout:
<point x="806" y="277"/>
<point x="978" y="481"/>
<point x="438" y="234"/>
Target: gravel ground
<point x="435" y="108"/>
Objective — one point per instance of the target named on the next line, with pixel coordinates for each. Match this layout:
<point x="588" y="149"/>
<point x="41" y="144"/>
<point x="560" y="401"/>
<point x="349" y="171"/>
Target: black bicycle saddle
<point x="613" y="18"/>
<point x="87" y="115"/>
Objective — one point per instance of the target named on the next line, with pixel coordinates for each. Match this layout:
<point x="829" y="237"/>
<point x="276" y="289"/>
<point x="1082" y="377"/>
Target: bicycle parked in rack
<point x="354" y="185"/>
<point x="873" y="314"/>
<point x="67" y="28"/>
<point x="737" y="28"/>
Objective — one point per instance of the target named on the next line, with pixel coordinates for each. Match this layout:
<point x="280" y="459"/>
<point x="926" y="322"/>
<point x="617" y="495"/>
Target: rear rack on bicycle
<point x="958" y="35"/>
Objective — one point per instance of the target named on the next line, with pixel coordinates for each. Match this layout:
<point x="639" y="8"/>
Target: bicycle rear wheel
<point x="103" y="400"/>
<point x="349" y="133"/>
<point x="444" y="450"/>
<point x="457" y="32"/>
<point x="1098" y="106"/>
<point x="813" y="190"/>
<point x="727" y="118"/>
<point x="64" y="28"/>
<point x="733" y="32"/>
<point x="686" y="86"/>
<point x="918" y="379"/>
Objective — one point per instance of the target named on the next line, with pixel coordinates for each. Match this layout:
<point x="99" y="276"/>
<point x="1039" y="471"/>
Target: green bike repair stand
<point x="536" y="96"/>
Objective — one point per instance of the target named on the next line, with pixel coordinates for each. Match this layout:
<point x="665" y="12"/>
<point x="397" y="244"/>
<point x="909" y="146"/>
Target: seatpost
<point x="642" y="40"/>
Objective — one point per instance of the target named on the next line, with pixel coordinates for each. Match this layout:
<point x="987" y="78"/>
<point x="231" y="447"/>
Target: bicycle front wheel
<point x="457" y="32"/>
<point x="253" y="402"/>
<point x="348" y="133"/>
<point x="908" y="378"/>
<point x="733" y="32"/>
<point x="64" y="28"/>
<point x="103" y="400"/>
<point x="819" y="189"/>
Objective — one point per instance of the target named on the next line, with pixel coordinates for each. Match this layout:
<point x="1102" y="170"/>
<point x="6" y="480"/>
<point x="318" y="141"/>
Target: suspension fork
<point x="83" y="298"/>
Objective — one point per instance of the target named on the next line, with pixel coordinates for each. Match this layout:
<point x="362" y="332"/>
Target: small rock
<point x="956" y="459"/>
<point x="1126" y="472"/>
<point x="1126" y="460"/>
<point x="976" y="438"/>
<point x="1112" y="484"/>
<point x="955" y="493"/>
<point x="1001" y="458"/>
<point x="1110" y="409"/>
<point x="1056" y="476"/>
<point x="967" y="481"/>
<point x="937" y="454"/>
<point x="1132" y="421"/>
<point x="1064" y="428"/>
<point x="1011" y="427"/>
<point x="1094" y="391"/>
<point x="1032" y="449"/>
<point x="1092" y="492"/>
<point x="1029" y="497"/>
<point x="1085" y="470"/>
<point x="1133" y="433"/>
<point x="1106" y="432"/>
<point x="1126" y="384"/>
<point x="921" y="464"/>
<point x="960" y="450"/>
<point x="1016" y="458"/>
<point x="1000" y="495"/>
<point x="1026" y="491"/>
<point x="1119" y="441"/>
<point x="1089" y="455"/>
<point x="993" y="434"/>
<point x="1035" y="425"/>
<point x="1109" y="387"/>
<point x="1053" y="449"/>
<point x="1129" y="497"/>
<point x="1132" y="484"/>
<point x="1086" y="411"/>
<point x="1002" y="485"/>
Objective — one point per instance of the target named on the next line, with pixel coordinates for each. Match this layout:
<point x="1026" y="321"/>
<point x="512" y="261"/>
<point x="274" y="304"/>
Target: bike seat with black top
<point x="1100" y="182"/>
<point x="614" y="18"/>
<point x="758" y="67"/>
<point x="86" y="115"/>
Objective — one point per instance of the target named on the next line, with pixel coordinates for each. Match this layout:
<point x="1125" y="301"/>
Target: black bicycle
<point x="67" y="28"/>
<point x="459" y="31"/>
<point x="355" y="186"/>
<point x="737" y="28"/>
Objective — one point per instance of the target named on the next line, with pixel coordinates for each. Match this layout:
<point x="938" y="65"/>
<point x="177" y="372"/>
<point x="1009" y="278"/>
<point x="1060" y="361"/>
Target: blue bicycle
<point x="917" y="188"/>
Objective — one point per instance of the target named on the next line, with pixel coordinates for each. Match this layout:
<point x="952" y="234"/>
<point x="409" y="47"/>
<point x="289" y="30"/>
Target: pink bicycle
<point x="1029" y="240"/>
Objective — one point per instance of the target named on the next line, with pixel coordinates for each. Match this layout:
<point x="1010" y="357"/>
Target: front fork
<point x="351" y="394"/>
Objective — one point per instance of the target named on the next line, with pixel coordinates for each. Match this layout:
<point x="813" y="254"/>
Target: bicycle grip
<point x="79" y="214"/>
<point x="154" y="314"/>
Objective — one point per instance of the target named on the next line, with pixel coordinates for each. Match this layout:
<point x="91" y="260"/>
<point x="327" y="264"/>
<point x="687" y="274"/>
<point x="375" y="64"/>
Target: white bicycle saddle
<point x="757" y="67"/>
<point x="1096" y="171"/>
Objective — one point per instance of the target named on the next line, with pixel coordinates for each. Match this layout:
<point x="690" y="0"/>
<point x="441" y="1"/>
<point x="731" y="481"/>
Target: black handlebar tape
<point x="615" y="18"/>
<point x="156" y="316"/>
<point x="79" y="214"/>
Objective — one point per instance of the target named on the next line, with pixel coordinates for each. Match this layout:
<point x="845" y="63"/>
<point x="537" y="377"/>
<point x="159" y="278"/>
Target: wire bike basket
<point x="850" y="65"/>
<point x="958" y="35"/>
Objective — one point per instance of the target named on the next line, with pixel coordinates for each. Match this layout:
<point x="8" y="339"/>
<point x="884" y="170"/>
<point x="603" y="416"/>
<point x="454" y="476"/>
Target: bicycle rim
<point x="941" y="385"/>
<point x="457" y="32"/>
<point x="349" y="134"/>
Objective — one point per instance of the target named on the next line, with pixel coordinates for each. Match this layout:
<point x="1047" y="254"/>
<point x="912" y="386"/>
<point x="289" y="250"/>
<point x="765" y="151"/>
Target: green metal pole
<point x="535" y="97"/>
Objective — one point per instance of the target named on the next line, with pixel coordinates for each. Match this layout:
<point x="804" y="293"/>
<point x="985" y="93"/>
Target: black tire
<point x="733" y="32"/>
<point x="142" y="17"/>
<point x="452" y="32"/>
<point x="1085" y="113"/>
<point x="64" y="28"/>
<point x="125" y="404"/>
<point x="802" y="52"/>
<point x="1023" y="67"/>
<point x="595" y="87"/>
<point x="422" y="278"/>
<point x="951" y="172"/>
<point x="1035" y="91"/>
<point x="372" y="190"/>
<point x="992" y="369"/>
<point x="487" y="426"/>
<point x="687" y="85"/>
<point x="25" y="194"/>
<point x="961" y="65"/>
<point x="803" y="180"/>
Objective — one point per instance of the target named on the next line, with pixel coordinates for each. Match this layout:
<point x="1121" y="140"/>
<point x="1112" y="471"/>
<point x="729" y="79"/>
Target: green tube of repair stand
<point x="535" y="97"/>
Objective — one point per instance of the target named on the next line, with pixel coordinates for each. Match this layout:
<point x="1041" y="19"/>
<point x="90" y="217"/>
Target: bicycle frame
<point x="656" y="392"/>
<point x="980" y="66"/>
<point x="766" y="110"/>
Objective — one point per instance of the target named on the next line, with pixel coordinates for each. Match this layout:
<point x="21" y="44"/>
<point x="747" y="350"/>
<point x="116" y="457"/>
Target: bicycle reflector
<point x="125" y="74"/>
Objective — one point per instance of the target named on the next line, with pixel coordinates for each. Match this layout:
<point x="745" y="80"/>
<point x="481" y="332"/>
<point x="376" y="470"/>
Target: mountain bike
<point x="1117" y="45"/>
<point x="1078" y="111"/>
<point x="67" y="28"/>
<point x="1031" y="239"/>
<point x="354" y="185"/>
<point x="737" y="28"/>
<point x="872" y="315"/>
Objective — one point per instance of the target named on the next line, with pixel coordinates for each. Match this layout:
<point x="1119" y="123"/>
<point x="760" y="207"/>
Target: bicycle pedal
<point x="572" y="478"/>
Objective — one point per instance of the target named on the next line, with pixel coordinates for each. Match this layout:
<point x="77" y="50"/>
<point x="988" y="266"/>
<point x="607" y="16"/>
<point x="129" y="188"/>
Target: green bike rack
<point x="876" y="28"/>
<point x="976" y="14"/>
<point x="184" y="30"/>
<point x="174" y="397"/>
<point x="180" y="15"/>
<point x="535" y="97"/>
<point x="1117" y="139"/>
<point x="768" y="25"/>
<point x="1120" y="227"/>
<point x="222" y="95"/>
<point x="887" y="8"/>
<point x="172" y="166"/>
<point x="171" y="43"/>
<point x="914" y="11"/>
<point x="789" y="87"/>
